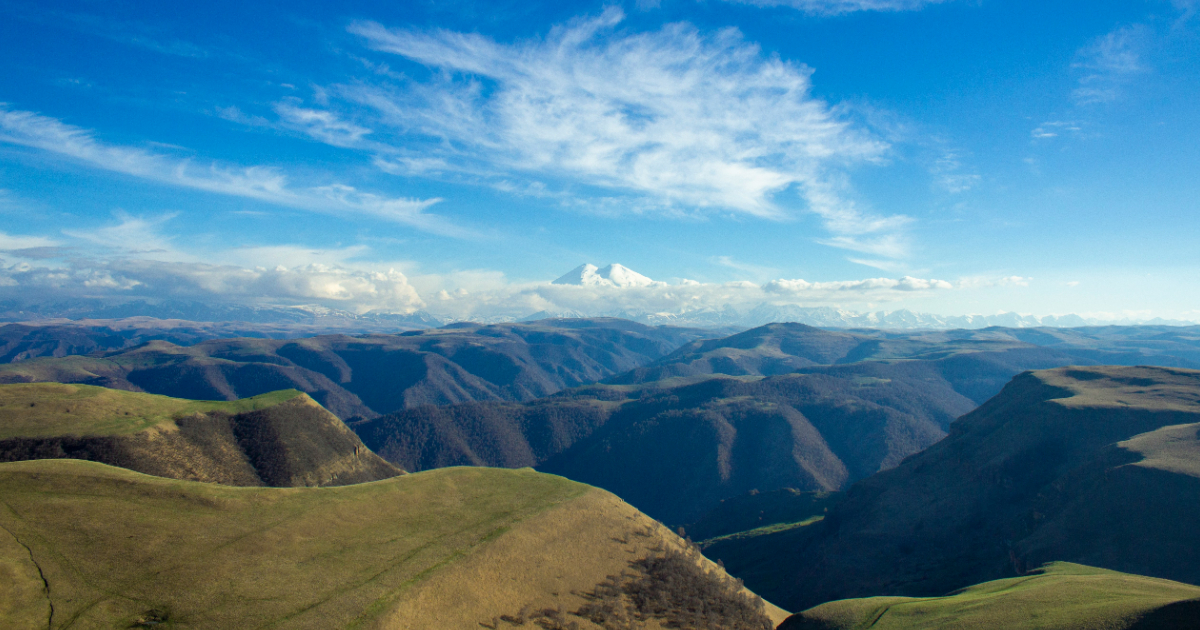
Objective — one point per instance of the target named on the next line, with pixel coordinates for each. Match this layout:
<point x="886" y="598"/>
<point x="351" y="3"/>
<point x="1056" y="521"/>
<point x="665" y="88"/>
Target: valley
<point x="916" y="480"/>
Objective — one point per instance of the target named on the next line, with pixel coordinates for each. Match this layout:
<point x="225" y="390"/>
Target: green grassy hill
<point x="1096" y="465"/>
<point x="84" y="545"/>
<point x="282" y="438"/>
<point x="1059" y="596"/>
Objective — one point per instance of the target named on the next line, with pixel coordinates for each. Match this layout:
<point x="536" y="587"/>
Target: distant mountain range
<point x="780" y="406"/>
<point x="303" y="320"/>
<point x="362" y="376"/>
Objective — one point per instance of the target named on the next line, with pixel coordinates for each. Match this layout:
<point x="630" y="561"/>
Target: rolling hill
<point x="1059" y="596"/>
<point x="279" y="439"/>
<point x="87" y="545"/>
<point x="675" y="447"/>
<point x="783" y="348"/>
<point x="976" y="363"/>
<point x="1088" y="465"/>
<point x="375" y="374"/>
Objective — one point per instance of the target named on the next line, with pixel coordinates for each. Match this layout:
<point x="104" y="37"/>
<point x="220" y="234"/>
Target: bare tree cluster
<point x="668" y="585"/>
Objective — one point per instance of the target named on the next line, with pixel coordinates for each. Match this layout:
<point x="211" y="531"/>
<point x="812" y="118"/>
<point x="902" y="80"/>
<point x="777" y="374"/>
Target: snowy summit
<point x="613" y="275"/>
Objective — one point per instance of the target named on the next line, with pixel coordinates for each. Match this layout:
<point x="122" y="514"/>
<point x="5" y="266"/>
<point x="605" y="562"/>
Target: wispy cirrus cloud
<point x="840" y="7"/>
<point x="13" y="242"/>
<point x="1108" y="63"/>
<point x="254" y="182"/>
<point x="673" y="119"/>
<point x="1187" y="9"/>
<point x="1054" y="128"/>
<point x="322" y="125"/>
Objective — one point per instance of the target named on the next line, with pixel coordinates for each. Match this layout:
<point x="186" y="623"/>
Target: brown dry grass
<point x="53" y="409"/>
<point x="1115" y="387"/>
<point x="439" y="549"/>
<point x="544" y="562"/>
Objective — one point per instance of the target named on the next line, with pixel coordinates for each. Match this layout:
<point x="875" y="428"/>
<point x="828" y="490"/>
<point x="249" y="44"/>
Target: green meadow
<point x="1059" y="596"/>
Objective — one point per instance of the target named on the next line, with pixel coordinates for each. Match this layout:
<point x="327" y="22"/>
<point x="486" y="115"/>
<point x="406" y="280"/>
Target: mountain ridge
<point x="1078" y="464"/>
<point x="279" y="439"/>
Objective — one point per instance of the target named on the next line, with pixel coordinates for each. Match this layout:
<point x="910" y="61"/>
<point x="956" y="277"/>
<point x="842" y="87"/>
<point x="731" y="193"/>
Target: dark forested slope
<point x="676" y="450"/>
<point x="1099" y="466"/>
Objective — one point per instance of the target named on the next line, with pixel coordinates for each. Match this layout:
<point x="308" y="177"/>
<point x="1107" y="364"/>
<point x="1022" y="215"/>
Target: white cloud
<point x="334" y="286"/>
<point x="755" y="271"/>
<point x="344" y="280"/>
<point x="322" y="125"/>
<point x="500" y="299"/>
<point x="233" y="114"/>
<point x="11" y="242"/>
<point x="889" y="245"/>
<point x="948" y="173"/>
<point x="1108" y="63"/>
<point x="677" y="117"/>
<point x="984" y="282"/>
<point x="133" y="236"/>
<point x="839" y="7"/>
<point x="1053" y="128"/>
<point x="254" y="182"/>
<point x="907" y="283"/>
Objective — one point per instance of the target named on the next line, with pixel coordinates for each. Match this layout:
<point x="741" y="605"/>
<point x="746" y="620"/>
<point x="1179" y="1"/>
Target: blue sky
<point x="962" y="156"/>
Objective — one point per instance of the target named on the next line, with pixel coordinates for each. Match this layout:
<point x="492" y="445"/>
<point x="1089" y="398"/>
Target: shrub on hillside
<point x="674" y="586"/>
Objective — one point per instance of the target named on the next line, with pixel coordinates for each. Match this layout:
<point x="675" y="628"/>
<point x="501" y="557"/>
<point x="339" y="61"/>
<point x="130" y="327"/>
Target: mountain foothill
<point x="1092" y="465"/>
<point x="362" y="376"/>
<point x="911" y="479"/>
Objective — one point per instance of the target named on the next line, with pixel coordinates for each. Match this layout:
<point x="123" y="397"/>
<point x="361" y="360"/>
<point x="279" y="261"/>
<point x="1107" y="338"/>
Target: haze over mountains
<point x="610" y="291"/>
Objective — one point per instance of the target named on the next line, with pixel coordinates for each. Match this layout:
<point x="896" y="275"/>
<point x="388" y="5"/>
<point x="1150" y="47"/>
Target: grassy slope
<point x="114" y="544"/>
<point x="1060" y="596"/>
<point x="448" y="548"/>
<point x="765" y="530"/>
<point x="54" y="409"/>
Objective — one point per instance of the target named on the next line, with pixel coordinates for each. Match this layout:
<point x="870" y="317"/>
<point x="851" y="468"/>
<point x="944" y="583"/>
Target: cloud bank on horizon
<point x="379" y="158"/>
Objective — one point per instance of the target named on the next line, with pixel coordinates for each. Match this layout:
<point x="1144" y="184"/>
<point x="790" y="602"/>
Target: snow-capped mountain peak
<point x="613" y="275"/>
